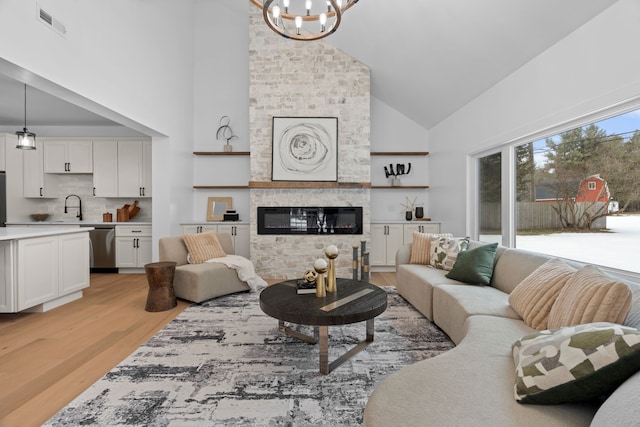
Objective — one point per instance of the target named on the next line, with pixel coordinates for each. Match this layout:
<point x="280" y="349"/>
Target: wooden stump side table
<point x="161" y="295"/>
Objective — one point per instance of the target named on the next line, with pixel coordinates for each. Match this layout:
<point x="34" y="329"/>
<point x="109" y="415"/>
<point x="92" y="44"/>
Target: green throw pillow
<point x="575" y="363"/>
<point x="475" y="265"/>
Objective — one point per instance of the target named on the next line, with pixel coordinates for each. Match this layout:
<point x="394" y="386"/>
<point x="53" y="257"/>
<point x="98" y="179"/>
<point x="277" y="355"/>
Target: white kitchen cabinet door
<point x="7" y="289"/>
<point x="386" y="239"/>
<point x="421" y="228"/>
<point x="198" y="228"/>
<point x="68" y="156"/>
<point x="144" y="253"/>
<point x="126" y="252"/>
<point x="134" y="168"/>
<point x="239" y="236"/>
<point x="105" y="168"/>
<point x="74" y="262"/>
<point x="38" y="271"/>
<point x="35" y="182"/>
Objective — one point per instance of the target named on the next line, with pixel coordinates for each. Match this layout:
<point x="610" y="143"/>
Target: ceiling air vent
<point x="51" y="22"/>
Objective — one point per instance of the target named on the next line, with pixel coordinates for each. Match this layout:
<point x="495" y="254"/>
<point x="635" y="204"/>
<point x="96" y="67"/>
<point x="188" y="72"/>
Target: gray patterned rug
<point x="224" y="362"/>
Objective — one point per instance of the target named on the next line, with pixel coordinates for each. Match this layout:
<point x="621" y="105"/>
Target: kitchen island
<point x="44" y="268"/>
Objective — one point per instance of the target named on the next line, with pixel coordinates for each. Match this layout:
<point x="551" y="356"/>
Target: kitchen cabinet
<point x="133" y="246"/>
<point x="7" y="291"/>
<point x="430" y="227"/>
<point x="134" y="168"/>
<point x="51" y="267"/>
<point x="35" y="182"/>
<point x="240" y="236"/>
<point x="68" y="156"/>
<point x="105" y="169"/>
<point x="386" y="239"/>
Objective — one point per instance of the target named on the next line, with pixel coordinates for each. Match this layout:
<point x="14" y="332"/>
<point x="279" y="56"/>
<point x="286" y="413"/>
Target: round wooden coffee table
<point x="354" y="302"/>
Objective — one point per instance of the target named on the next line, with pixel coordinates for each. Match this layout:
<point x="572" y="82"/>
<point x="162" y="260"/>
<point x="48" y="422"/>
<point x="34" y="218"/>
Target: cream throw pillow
<point x="534" y="297"/>
<point x="421" y="246"/>
<point x="590" y="296"/>
<point x="203" y="247"/>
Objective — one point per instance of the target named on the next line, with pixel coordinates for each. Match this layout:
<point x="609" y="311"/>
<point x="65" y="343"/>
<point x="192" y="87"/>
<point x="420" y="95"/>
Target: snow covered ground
<point x="617" y="248"/>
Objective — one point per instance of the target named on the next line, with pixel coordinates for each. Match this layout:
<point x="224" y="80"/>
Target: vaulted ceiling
<point x="428" y="58"/>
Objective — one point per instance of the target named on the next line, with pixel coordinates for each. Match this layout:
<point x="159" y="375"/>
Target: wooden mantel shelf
<point x="417" y="187"/>
<point x="221" y="153"/>
<point x="308" y="184"/>
<point x="399" y="153"/>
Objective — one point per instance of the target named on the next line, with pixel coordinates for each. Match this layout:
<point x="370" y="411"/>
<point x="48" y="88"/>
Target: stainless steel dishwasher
<point x="102" y="248"/>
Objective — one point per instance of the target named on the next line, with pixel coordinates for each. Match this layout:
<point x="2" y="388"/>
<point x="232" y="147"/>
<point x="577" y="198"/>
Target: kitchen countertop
<point x="78" y="223"/>
<point x="11" y="233"/>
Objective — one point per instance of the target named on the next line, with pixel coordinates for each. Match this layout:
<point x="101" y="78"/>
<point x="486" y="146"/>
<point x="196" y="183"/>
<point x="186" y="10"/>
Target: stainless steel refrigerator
<point x="3" y="199"/>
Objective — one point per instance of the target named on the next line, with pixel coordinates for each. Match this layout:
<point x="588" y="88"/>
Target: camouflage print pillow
<point x="444" y="251"/>
<point x="574" y="363"/>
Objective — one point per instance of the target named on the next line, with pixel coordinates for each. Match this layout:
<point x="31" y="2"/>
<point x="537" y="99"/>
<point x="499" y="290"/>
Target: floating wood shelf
<point x="420" y="187"/>
<point x="221" y="153"/>
<point x="399" y="153"/>
<point x="307" y="184"/>
<point x="221" y="187"/>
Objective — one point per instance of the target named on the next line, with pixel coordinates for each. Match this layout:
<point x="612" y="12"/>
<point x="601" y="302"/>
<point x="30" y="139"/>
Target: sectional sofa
<point x="473" y="384"/>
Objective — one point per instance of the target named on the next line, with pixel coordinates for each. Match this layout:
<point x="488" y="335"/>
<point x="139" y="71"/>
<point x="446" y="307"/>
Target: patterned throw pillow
<point x="203" y="247"/>
<point x="420" y="246"/>
<point x="575" y="363"/>
<point x="534" y="297"/>
<point x="444" y="251"/>
<point x="590" y="296"/>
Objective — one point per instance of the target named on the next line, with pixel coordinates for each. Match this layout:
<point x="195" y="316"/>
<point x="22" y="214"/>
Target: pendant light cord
<point x="25" y="107"/>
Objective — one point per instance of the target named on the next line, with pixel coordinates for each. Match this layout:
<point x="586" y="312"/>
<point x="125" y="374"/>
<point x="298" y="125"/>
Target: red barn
<point x="593" y="189"/>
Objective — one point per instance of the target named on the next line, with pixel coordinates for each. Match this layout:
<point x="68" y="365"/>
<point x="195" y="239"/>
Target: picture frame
<point x="217" y="206"/>
<point x="304" y="149"/>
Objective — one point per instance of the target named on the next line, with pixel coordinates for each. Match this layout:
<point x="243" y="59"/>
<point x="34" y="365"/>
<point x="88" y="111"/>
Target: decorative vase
<point x="331" y="252"/>
<point x="408" y="215"/>
<point x="320" y="266"/>
<point x="419" y="212"/>
<point x="228" y="148"/>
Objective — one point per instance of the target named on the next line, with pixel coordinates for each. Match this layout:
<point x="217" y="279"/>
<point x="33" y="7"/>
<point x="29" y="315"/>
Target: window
<point x="578" y="193"/>
<point x="490" y="197"/>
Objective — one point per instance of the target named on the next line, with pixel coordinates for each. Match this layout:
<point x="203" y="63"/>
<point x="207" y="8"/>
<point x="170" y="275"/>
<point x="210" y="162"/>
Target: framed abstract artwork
<point x="305" y="149"/>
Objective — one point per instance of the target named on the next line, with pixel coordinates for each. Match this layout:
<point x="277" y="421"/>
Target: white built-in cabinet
<point x="105" y="169"/>
<point x="35" y="182"/>
<point x="68" y="156"/>
<point x="134" y="168"/>
<point x="7" y="291"/>
<point x="133" y="246"/>
<point x="49" y="268"/>
<point x="240" y="236"/>
<point x="387" y="238"/>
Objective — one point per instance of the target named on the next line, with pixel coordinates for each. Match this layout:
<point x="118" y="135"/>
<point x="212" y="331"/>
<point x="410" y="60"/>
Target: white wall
<point x="134" y="58"/>
<point x="392" y="131"/>
<point x="593" y="68"/>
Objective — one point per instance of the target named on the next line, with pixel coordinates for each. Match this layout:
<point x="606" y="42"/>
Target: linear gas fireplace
<point x="310" y="220"/>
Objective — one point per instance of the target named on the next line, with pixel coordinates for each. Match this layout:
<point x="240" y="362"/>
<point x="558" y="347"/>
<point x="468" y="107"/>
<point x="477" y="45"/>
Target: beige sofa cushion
<point x="421" y="246"/>
<point x="513" y="265"/>
<point x="590" y="296"/>
<point x="203" y="247"/>
<point x="534" y="297"/>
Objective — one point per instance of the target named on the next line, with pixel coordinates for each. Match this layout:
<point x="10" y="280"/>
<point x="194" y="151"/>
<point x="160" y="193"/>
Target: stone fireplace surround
<point x="306" y="79"/>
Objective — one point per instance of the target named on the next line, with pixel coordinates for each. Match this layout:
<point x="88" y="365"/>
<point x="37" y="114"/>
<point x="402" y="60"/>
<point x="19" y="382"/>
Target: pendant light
<point x="26" y="139"/>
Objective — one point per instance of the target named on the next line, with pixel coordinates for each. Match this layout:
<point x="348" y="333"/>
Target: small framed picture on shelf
<point x="217" y="206"/>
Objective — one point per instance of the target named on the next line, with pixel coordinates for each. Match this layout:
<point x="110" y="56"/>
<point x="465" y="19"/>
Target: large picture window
<point x="578" y="193"/>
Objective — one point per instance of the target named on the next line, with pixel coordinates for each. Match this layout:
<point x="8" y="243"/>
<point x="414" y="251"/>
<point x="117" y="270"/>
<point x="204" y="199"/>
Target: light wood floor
<point x="47" y="359"/>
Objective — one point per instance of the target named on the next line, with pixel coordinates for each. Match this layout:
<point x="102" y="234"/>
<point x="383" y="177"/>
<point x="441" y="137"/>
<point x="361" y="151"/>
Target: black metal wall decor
<point x="401" y="169"/>
<point x="225" y="132"/>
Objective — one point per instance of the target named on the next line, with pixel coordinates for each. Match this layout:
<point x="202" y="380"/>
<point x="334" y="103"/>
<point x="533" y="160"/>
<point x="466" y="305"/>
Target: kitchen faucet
<point x="79" y="216"/>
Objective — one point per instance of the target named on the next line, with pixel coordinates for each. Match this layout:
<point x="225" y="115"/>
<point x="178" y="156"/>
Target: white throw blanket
<point x="244" y="268"/>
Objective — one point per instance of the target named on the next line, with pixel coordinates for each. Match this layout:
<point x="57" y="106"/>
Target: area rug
<point x="224" y="362"/>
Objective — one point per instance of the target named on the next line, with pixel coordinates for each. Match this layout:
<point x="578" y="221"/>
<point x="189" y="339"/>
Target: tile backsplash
<point x="92" y="207"/>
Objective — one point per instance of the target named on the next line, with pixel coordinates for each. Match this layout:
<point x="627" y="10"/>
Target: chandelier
<point x="302" y="19"/>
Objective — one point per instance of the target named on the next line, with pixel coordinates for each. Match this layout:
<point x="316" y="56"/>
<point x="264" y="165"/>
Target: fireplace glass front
<point x="310" y="220"/>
